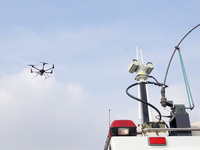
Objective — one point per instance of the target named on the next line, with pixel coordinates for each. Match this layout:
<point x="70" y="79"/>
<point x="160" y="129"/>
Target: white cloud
<point x="41" y="115"/>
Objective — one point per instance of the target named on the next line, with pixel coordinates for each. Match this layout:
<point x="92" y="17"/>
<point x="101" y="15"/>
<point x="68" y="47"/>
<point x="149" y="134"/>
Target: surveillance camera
<point x="133" y="66"/>
<point x="150" y="67"/>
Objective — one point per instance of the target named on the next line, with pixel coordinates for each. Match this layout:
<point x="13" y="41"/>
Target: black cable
<point x="140" y="100"/>
<point x="177" y="48"/>
<point x="148" y="82"/>
<point x="170" y="133"/>
<point x="158" y="84"/>
<point x="153" y="78"/>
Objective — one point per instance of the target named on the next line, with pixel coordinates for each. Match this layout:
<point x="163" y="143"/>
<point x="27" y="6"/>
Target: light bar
<point x="157" y="141"/>
<point x="123" y="123"/>
<point x="122" y="128"/>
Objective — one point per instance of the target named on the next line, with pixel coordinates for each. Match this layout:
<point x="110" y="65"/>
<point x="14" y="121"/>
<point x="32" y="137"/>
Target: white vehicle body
<point x="141" y="141"/>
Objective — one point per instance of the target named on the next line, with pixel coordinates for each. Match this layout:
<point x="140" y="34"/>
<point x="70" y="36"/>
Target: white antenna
<point x="140" y="104"/>
<point x="141" y="56"/>
<point x="109" y="118"/>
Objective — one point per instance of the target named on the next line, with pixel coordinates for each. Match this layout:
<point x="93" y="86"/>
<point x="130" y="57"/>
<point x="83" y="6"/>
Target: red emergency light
<point x="123" y="128"/>
<point x="157" y="141"/>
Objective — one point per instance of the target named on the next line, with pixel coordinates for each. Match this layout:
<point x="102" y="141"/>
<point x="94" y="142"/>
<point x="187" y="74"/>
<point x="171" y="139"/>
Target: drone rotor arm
<point x="50" y="68"/>
<point x="50" y="72"/>
<point x="34" y="71"/>
<point x="35" y="68"/>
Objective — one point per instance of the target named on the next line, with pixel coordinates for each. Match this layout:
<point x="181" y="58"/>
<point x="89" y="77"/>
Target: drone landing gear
<point x="46" y="76"/>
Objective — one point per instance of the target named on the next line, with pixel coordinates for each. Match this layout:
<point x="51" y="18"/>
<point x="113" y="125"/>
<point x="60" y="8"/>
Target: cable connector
<point x="163" y="98"/>
<point x="177" y="48"/>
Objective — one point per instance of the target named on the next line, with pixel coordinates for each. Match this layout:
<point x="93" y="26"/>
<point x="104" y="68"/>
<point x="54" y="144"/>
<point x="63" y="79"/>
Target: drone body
<point x="42" y="71"/>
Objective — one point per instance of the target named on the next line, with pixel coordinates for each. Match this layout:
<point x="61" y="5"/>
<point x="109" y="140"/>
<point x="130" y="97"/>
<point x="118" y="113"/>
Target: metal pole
<point x="143" y="95"/>
<point x="149" y="108"/>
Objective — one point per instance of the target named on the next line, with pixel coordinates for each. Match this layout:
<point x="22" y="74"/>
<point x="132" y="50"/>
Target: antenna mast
<point x="109" y="118"/>
<point x="142" y="72"/>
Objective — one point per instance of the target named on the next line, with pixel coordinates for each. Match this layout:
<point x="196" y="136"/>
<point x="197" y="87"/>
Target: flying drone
<point x="42" y="71"/>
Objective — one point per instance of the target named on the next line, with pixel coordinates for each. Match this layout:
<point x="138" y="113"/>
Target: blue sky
<point x="91" y="44"/>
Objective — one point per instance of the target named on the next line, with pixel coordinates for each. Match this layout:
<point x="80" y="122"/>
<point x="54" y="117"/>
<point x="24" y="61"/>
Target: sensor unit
<point x="150" y="67"/>
<point x="133" y="66"/>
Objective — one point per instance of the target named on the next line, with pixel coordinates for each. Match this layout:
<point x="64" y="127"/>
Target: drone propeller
<point x="32" y="65"/>
<point x="44" y="63"/>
